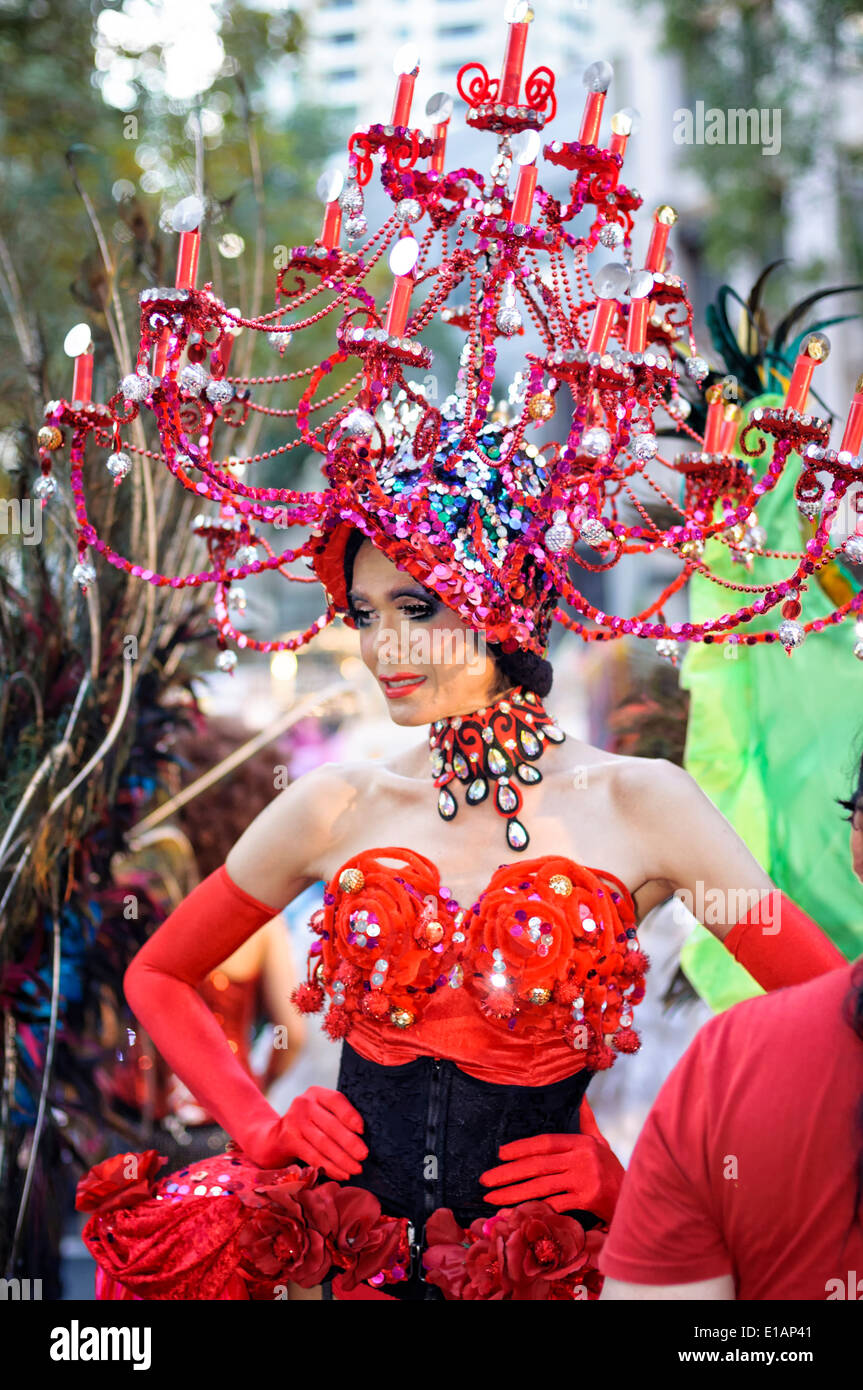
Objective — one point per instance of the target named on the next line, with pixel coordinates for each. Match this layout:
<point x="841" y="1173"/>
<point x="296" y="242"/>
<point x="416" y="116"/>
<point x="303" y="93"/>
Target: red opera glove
<point x="321" y="1127"/>
<point x="572" y="1172"/>
<point x="781" y="945"/>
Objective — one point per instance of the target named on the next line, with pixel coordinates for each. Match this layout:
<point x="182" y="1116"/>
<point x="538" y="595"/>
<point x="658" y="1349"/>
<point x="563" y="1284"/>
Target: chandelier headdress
<point x="460" y="493"/>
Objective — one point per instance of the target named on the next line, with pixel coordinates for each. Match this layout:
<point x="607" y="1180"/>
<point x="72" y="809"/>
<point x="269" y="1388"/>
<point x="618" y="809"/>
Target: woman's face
<point x="428" y="663"/>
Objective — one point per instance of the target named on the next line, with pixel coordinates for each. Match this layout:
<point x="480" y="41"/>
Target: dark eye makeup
<point x="418" y="611"/>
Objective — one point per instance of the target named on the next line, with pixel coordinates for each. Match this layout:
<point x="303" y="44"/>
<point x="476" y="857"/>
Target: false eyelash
<point x="419" y="614"/>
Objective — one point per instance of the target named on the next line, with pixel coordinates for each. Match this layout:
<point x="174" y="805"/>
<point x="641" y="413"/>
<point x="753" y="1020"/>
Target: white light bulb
<point x="77" y="340"/>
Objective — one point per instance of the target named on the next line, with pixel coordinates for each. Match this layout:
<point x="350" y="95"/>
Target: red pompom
<point x="626" y="1040"/>
<point x="566" y="992"/>
<point x="376" y="1005"/>
<point x="309" y="999"/>
<point x="337" y="1022"/>
<point x="500" y="1004"/>
<point x="599" y="1057"/>
<point x="634" y="963"/>
<point x="349" y="974"/>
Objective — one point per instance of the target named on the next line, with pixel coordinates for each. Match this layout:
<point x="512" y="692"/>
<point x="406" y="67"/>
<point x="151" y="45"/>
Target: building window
<point x="457" y="31"/>
<point x="341" y="39"/>
<point x="342" y="75"/>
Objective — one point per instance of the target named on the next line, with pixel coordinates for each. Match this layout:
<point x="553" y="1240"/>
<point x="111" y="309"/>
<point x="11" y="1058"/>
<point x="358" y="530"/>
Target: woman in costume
<point x="478" y="951"/>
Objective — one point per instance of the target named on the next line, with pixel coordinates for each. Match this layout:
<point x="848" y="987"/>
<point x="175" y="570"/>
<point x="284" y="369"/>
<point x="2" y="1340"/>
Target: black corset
<point x="431" y="1129"/>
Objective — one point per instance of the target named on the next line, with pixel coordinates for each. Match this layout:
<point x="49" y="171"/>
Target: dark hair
<point x="520" y="667"/>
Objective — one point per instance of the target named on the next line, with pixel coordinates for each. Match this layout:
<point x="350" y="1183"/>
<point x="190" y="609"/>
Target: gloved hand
<point x="321" y="1127"/>
<point x="569" y="1171"/>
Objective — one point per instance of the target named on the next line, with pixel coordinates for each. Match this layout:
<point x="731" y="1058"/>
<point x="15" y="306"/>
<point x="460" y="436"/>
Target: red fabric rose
<point x="121" y="1181"/>
<point x="542" y="1247"/>
<point x="279" y="1245"/>
<point x="349" y="1219"/>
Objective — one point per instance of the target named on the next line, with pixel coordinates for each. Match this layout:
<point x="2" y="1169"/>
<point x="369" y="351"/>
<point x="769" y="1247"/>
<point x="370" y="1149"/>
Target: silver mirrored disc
<point x="330" y="185"/>
<point x="525" y="146"/>
<point x="612" y="280"/>
<point x="597" y="77"/>
<point x="188" y="214"/>
<point x="77" y="340"/>
<point x="439" y="107"/>
<point x="640" y="284"/>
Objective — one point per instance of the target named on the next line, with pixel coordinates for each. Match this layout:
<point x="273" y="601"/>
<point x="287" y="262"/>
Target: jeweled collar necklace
<point x="498" y="746"/>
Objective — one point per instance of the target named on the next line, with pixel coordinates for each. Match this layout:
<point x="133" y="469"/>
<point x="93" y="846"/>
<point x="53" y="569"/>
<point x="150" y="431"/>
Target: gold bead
<point x="559" y="883"/>
<point x="433" y="933"/>
<point x="539" y="996"/>
<point x="50" y="437"/>
<point x="541" y="406"/>
<point x="319" y="973"/>
<point x="351" y="880"/>
<point x="402" y="1018"/>
<point x="666" y="215"/>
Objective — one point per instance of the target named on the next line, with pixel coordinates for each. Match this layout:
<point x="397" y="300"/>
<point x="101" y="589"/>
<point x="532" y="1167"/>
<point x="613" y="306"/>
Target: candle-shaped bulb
<point x="612" y="283"/>
<point x="640" y="285"/>
<point x="439" y="109"/>
<point x="597" y="78"/>
<point x="713" y="428"/>
<point x="78" y="344"/>
<point x="815" y="348"/>
<point x="518" y="15"/>
<point x="329" y="188"/>
<point x="406" y="66"/>
<point x="230" y="331"/>
<point x="186" y="219"/>
<point x="663" y="220"/>
<point x="731" y="416"/>
<point x="853" y="436"/>
<point x="623" y="124"/>
<point x="402" y="260"/>
<point x="525" y="148"/>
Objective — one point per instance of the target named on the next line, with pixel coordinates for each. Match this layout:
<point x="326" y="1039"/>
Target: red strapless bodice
<point x="525" y="986"/>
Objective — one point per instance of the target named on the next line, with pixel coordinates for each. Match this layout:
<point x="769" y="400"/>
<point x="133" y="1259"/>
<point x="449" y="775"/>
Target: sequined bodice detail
<point x="549" y="947"/>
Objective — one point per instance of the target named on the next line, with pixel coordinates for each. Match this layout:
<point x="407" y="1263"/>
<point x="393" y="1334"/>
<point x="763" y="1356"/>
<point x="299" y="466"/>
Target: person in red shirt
<point x="746" y="1181"/>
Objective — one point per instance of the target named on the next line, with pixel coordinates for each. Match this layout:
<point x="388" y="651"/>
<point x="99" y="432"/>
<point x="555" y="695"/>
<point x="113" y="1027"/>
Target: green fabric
<point x="771" y="739"/>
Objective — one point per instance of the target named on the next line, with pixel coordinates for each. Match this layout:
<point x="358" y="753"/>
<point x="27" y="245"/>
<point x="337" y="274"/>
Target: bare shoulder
<point x="652" y="785"/>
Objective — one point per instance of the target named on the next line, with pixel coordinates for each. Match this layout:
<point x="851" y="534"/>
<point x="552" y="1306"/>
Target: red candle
<point x="728" y="433"/>
<point x="332" y="227"/>
<point x="439" y="108"/>
<point x="406" y="66"/>
<point x="596" y="79"/>
<point x="814" y="349"/>
<point x="524" y="191"/>
<point x="623" y="124"/>
<point x="853" y="436"/>
<point x="513" y="58"/>
<point x="603" y="319"/>
<point x="636" y="328"/>
<point x="187" y="260"/>
<point x="82" y="380"/>
<point x="663" y="220"/>
<point x="402" y="260"/>
<point x="78" y="344"/>
<point x="713" y="428"/>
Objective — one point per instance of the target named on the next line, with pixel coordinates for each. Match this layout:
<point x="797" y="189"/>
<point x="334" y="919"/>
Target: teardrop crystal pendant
<point x="507" y="799"/>
<point x="460" y="766"/>
<point x="529" y="742"/>
<point x="553" y="733"/>
<point x="446" y="803"/>
<point x="477" y="791"/>
<point x="497" y="763"/>
<point x="437" y="761"/>
<point x="528" y="773"/>
<point x="516" y="834"/>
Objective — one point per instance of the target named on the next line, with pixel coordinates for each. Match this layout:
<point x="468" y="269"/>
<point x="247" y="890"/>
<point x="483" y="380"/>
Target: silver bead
<point x="791" y="634"/>
<point x="137" y="387"/>
<point x="84" y="573"/>
<point x="667" y="649"/>
<point x="356" y="227"/>
<point x="508" y="320"/>
<point x="853" y="549"/>
<point x="193" y="378"/>
<point x="696" y="368"/>
<point x="45" y="486"/>
<point x="237" y="599"/>
<point x="594" y="534"/>
<point x="408" y="210"/>
<point x="219" y="392"/>
<point x="645" y="446"/>
<point x="358" y="424"/>
<point x="559" y="536"/>
<point x="279" y="339"/>
<point x="226" y="661"/>
<point x="611" y="235"/>
<point x="118" y="464"/>
<point x="596" y="441"/>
